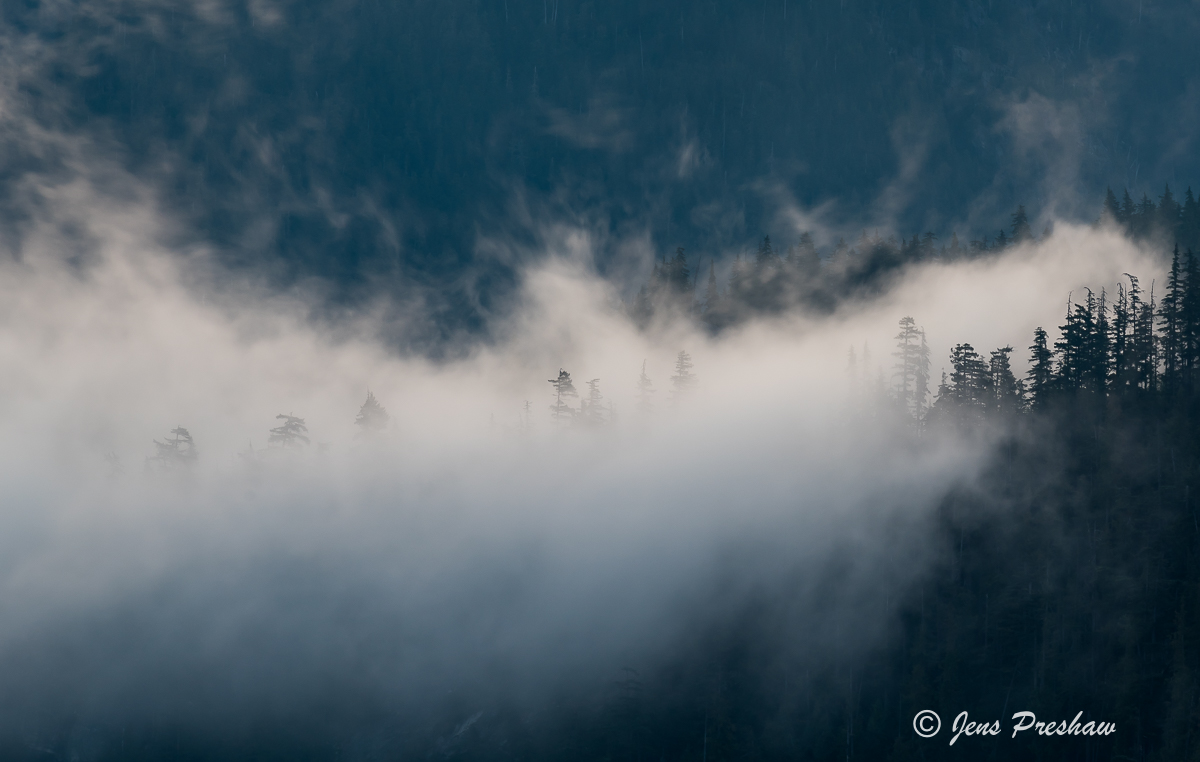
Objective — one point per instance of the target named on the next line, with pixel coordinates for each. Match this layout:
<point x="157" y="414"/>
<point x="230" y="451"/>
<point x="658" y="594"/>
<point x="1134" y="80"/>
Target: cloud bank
<point x="477" y="554"/>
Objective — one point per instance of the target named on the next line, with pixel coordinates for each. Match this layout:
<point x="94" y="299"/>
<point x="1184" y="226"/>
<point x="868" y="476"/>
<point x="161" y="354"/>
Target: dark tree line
<point x="770" y="281"/>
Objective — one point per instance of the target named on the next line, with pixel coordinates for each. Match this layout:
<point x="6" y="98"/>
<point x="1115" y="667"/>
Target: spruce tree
<point x="591" y="410"/>
<point x="1173" y="341"/>
<point x="683" y="380"/>
<point x="177" y="450"/>
<point x="908" y="358"/>
<point x="1021" y="232"/>
<point x="564" y="388"/>
<point x="292" y="434"/>
<point x="1189" y="318"/>
<point x="372" y="418"/>
<point x="1041" y="369"/>
<point x="1008" y="392"/>
<point x="1128" y="211"/>
<point x="1111" y="212"/>
<point x="1167" y="220"/>
<point x="645" y="391"/>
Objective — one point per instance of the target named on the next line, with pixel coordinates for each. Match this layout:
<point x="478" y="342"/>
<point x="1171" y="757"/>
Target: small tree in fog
<point x="372" y="418"/>
<point x="591" y="410"/>
<point x="683" y="380"/>
<point x="645" y="391"/>
<point x="563" y="388"/>
<point x="292" y="434"/>
<point x="176" y="450"/>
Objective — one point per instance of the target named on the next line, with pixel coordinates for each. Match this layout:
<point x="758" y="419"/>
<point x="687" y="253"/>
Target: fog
<point x="475" y="554"/>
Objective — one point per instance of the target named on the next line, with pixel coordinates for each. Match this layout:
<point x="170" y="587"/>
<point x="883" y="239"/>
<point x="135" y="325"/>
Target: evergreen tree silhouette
<point x="564" y="388"/>
<point x="177" y="450"/>
<point x="1021" y="232"/>
<point x="372" y="417"/>
<point x="292" y="434"/>
<point x="591" y="410"/>
<point x="645" y="392"/>
<point x="683" y="380"/>
<point x="1041" y="368"/>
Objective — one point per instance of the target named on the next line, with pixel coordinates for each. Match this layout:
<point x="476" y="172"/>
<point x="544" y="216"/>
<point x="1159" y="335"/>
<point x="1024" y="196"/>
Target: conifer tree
<point x="560" y="411"/>
<point x="921" y="383"/>
<point x="970" y="389"/>
<point x="1189" y="318"/>
<point x="372" y="418"/>
<point x="683" y="380"/>
<point x="292" y="434"/>
<point x="645" y="392"/>
<point x="1189" y="223"/>
<point x="1168" y="215"/>
<point x="178" y="450"/>
<point x="591" y="410"/>
<point x="1128" y="211"/>
<point x="1021" y="232"/>
<point x="1009" y="393"/>
<point x="908" y="362"/>
<point x="1041" y="369"/>
<point x="1111" y="213"/>
<point x="1173" y="341"/>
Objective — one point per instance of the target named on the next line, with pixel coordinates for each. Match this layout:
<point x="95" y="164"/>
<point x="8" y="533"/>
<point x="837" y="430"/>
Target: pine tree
<point x="683" y="380"/>
<point x="1189" y="223"/>
<point x="1173" y="339"/>
<point x="178" y="450"/>
<point x="1129" y="211"/>
<point x="1009" y="393"/>
<point x="1021" y="232"/>
<point x="1142" y="342"/>
<point x="1041" y="369"/>
<point x="970" y="390"/>
<point x="645" y="391"/>
<point x="1189" y="318"/>
<point x="1111" y="213"/>
<point x="921" y="383"/>
<point x="372" y="418"/>
<point x="292" y="434"/>
<point x="591" y="410"/>
<point x="563" y="388"/>
<point x="956" y="249"/>
<point x="1121" y="356"/>
<point x="907" y="354"/>
<point x="1168" y="215"/>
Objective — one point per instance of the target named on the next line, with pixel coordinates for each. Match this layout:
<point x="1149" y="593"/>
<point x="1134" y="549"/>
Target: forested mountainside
<point x="1066" y="580"/>
<point x="425" y="144"/>
<point x="775" y="278"/>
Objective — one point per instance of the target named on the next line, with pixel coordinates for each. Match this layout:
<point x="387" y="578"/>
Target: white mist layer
<point x="470" y="544"/>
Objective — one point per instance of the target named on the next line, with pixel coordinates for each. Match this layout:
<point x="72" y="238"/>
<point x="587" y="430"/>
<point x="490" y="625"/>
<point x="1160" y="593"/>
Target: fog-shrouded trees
<point x="591" y="408"/>
<point x="684" y="380"/>
<point x="372" y="418"/>
<point x="645" y="393"/>
<point x="176" y="450"/>
<point x="911" y="375"/>
<point x="291" y="435"/>
<point x="564" y="389"/>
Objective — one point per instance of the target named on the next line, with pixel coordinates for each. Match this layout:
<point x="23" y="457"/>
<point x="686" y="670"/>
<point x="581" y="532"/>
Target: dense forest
<point x="768" y="281"/>
<point x="359" y="140"/>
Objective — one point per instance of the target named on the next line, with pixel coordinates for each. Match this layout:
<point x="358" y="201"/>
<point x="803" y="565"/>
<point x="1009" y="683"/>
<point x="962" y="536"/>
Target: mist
<point x="476" y="557"/>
